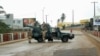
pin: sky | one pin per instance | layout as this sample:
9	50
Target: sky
83	9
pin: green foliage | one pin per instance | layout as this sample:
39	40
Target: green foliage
63	17
4	28
58	20
89	25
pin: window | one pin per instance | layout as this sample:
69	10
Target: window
7	15
18	21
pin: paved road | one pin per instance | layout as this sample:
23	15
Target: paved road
45	49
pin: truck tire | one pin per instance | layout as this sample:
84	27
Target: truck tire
40	40
71	37
50	40
64	39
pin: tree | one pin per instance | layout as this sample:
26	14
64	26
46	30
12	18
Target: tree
63	17
58	20
4	28
91	23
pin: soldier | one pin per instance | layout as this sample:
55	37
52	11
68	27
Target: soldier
29	35
30	31
35	28
44	30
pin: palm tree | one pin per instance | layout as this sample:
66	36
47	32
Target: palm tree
58	20
4	27
63	17
2	11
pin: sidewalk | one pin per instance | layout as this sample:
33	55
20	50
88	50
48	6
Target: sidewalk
91	35
13	41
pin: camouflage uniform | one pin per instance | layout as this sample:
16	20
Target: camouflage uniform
44	30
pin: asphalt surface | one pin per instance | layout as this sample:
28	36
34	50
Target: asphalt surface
23	48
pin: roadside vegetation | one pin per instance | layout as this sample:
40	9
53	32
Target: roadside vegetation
4	28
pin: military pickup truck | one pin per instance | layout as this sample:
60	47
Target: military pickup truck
53	33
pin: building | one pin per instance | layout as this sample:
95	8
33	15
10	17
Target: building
66	24
7	19
18	24
11	22
83	21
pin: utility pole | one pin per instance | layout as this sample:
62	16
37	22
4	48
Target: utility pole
46	18
72	17
95	14
35	15
71	30
43	13
94	8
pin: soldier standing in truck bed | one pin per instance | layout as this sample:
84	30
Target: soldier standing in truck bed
44	30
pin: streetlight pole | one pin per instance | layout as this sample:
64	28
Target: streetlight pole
35	15
46	18
71	30
94	8
43	13
95	14
72	17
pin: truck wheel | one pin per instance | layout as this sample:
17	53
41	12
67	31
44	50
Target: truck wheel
40	40
71	37
64	39
50	40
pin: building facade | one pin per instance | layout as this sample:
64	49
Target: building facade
11	22
18	24
83	21
7	19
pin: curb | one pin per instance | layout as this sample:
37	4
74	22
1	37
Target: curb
94	37
13	41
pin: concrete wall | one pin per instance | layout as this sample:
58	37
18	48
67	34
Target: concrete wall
18	24
9	20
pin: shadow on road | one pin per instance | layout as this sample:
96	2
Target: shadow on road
51	42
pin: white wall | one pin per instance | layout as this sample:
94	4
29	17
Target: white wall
9	20
13	23
18	24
